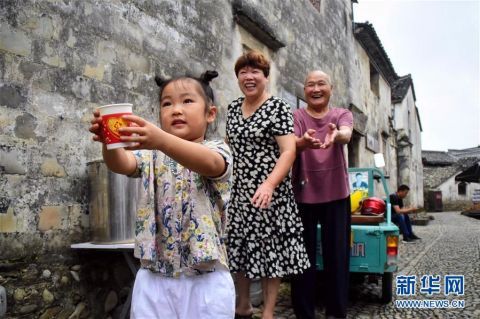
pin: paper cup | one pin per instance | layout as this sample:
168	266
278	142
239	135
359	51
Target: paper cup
111	121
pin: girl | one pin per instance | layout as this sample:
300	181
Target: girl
181	217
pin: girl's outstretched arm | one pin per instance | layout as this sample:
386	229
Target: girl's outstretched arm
191	155
119	160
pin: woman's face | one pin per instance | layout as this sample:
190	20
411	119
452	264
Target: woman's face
252	81
317	90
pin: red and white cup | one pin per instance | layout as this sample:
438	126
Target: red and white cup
111	121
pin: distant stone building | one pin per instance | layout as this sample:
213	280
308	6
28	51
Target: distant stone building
451	178
386	117
408	128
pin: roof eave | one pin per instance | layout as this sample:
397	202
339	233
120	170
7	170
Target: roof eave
368	39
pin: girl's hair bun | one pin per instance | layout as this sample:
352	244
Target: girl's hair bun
203	80
209	75
160	81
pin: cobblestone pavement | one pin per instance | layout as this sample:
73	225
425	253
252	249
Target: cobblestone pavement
450	245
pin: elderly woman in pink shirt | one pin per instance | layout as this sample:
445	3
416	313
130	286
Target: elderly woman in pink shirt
320	184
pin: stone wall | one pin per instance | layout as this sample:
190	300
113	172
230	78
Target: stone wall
457	205
81	285
442	178
451	198
376	106
409	148
61	59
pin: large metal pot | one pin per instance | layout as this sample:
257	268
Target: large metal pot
112	200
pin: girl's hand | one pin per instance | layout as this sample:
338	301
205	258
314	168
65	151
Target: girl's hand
144	134
263	195
310	141
330	137
96	127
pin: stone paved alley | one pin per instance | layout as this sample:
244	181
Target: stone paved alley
450	245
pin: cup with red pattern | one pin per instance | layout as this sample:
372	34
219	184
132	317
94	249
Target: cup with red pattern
111	121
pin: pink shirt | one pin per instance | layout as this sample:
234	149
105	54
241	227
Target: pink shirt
320	175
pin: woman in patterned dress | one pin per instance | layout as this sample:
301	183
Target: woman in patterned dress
264	232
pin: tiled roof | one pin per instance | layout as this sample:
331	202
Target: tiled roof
437	158
436	175
400	88
470	175
247	16
399	91
433	176
368	38
466	162
467	152
439	166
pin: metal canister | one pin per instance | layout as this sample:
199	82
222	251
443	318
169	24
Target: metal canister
112	204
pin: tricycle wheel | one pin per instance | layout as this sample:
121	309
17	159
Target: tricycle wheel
387	285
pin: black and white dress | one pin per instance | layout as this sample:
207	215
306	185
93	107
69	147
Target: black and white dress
264	243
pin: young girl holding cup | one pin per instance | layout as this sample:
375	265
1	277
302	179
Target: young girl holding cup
181	216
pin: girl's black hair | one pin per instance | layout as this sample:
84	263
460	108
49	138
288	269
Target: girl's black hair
203	80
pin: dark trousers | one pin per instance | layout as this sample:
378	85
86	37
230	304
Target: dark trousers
403	222
335	220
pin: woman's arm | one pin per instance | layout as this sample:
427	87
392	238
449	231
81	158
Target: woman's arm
285	161
263	195
193	156
341	135
344	135
307	141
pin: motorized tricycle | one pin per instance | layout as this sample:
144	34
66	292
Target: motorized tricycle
374	238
